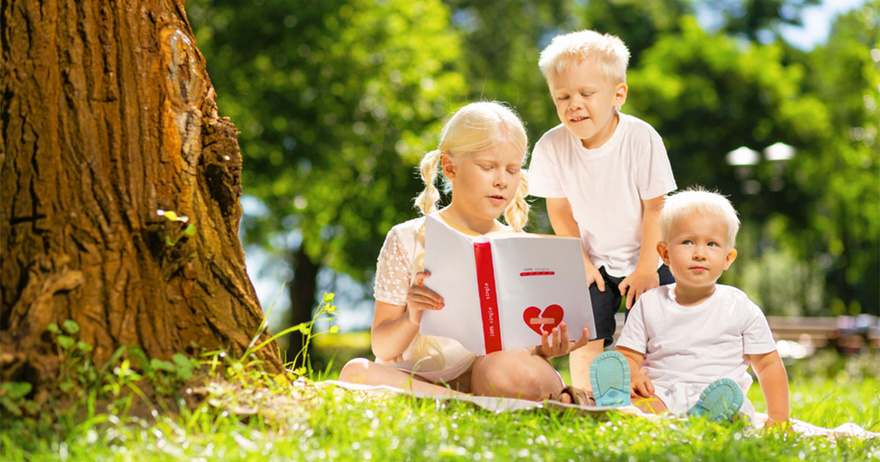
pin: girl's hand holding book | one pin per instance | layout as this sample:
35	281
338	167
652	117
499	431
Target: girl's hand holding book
420	298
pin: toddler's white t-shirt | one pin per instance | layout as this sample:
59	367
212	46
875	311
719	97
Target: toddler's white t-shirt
696	344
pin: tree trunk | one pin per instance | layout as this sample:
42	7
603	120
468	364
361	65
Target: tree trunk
303	290
107	118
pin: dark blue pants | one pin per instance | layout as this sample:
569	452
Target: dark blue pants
607	304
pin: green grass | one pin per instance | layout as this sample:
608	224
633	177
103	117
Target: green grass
277	420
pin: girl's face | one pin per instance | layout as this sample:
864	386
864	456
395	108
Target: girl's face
586	100
697	252
483	182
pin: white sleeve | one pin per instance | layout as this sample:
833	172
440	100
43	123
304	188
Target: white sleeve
634	334
654	177
757	336
543	172
392	271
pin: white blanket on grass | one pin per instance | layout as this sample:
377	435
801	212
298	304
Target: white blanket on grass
498	405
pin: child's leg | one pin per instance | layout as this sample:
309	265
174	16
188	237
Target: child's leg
605	305
515	374
579	362
365	372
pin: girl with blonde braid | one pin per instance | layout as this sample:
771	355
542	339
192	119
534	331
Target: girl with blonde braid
481	153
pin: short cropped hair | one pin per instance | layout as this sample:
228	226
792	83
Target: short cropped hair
701	201
574	47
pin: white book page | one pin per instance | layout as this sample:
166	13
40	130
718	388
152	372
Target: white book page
449	256
541	282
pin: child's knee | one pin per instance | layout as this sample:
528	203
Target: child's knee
355	371
514	375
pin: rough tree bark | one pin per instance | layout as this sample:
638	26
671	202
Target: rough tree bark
107	117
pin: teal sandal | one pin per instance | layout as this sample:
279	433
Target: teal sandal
719	402
609	375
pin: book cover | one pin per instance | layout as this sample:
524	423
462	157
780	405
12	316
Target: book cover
502	290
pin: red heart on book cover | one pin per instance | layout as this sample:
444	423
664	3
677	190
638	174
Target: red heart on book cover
546	321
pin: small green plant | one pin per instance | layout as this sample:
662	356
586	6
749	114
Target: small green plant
301	364
77	369
188	231
13	398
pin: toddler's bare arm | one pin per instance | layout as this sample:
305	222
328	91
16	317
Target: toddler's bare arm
774	385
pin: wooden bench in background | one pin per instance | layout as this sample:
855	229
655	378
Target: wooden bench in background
848	334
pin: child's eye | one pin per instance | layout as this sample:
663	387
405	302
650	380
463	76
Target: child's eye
513	171
562	98
586	94
485	167
713	244
687	242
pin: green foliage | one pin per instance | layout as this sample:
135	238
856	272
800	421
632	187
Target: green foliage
301	364
76	368
841	169
816	218
336	101
13	398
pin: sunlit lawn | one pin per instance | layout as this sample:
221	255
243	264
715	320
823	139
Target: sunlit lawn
304	422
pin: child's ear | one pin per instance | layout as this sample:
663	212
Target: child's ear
728	260
447	167
620	94
664	252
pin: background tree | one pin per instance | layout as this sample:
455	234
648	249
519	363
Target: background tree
707	94
108	124
759	20
841	170
708	87
337	100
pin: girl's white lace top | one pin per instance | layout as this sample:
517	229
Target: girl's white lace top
401	257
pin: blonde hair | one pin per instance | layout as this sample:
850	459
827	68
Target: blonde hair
574	47
701	201
476	127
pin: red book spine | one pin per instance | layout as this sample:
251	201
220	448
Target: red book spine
488	296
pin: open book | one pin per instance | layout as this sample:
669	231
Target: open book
503	289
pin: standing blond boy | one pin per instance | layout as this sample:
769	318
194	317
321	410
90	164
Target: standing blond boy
604	174
695	338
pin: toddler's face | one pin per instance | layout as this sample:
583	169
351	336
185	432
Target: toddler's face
697	251
585	101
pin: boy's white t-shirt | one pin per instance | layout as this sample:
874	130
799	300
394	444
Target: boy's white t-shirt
699	344
605	186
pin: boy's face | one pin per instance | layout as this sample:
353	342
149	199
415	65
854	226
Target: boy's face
697	252
586	100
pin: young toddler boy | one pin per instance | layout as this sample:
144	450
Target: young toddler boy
696	338
604	174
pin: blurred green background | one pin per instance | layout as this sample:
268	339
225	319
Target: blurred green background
336	101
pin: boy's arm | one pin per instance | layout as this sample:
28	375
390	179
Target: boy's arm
645	277
639	384
564	224
774	385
